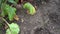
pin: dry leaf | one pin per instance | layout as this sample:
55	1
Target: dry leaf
16	17
6	26
22	20
36	7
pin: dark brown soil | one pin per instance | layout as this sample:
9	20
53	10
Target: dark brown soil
45	21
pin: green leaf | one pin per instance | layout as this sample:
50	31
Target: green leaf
1	1
30	8
16	1
4	10
11	13
8	10
13	29
13	1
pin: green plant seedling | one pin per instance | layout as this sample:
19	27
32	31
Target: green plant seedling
13	29
8	10
31	9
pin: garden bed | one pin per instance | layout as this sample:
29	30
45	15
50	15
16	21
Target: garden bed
45	21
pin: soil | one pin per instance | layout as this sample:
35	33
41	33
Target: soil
45	21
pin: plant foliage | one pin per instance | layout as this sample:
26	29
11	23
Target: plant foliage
13	1
13	29
1	1
8	10
30	8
